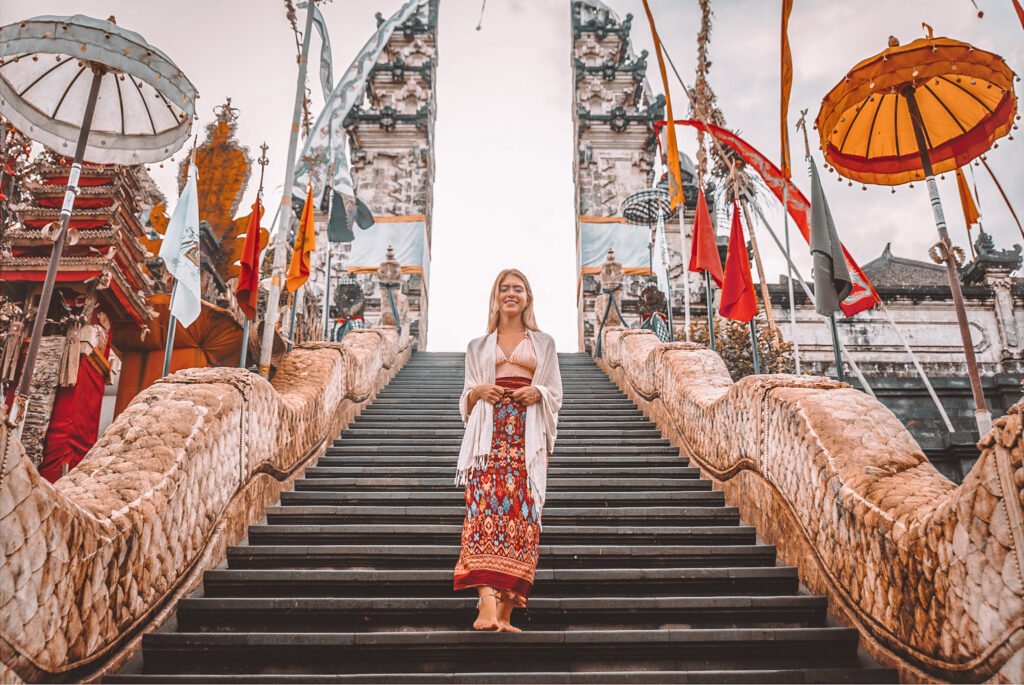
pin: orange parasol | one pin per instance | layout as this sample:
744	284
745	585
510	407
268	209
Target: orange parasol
912	110
964	95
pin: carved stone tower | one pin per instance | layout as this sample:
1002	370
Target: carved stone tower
615	113
391	137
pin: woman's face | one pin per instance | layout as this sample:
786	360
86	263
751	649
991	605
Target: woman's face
512	295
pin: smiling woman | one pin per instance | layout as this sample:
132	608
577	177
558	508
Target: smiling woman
510	403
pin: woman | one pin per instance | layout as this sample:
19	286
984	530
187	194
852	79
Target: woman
510	405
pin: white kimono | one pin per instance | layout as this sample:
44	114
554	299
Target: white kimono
541	418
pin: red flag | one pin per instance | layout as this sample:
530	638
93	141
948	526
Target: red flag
704	250
305	242
739	302
248	290
863	295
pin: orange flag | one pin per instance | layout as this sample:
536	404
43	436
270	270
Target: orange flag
786	73
704	249
305	242
739	302
675	171
971	214
248	290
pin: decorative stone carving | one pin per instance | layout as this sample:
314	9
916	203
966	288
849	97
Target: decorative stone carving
610	299
389	276
929	572
175	479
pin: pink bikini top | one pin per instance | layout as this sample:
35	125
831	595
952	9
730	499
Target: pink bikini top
522	362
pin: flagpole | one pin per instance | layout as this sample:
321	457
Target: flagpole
711	310
789	271
291	322
327	291
840	374
810	296
685	273
281	247
243	358
753	348
660	237
171	326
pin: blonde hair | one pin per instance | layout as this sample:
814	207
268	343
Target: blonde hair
494	315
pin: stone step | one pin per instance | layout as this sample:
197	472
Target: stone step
455	495
319	614
436	534
622	451
553	472
449	459
468	650
548	582
613	677
553	515
456	440
376	421
457	430
555	485
444	556
427	413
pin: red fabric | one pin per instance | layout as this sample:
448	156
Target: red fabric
57	201
863	295
248	290
40	276
704	250
1020	11
75	422
500	543
739	302
82	181
80	224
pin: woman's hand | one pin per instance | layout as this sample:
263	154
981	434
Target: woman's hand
489	392
526	395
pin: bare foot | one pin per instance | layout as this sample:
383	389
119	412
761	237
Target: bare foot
505	606
488	616
506	627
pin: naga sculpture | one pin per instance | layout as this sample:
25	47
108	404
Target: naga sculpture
931	573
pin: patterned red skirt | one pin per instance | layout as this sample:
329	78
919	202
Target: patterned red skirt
502	526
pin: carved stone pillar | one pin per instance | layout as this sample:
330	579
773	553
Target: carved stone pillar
392	300
611	294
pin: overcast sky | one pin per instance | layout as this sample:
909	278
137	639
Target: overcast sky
503	191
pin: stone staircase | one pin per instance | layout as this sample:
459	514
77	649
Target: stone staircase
645	576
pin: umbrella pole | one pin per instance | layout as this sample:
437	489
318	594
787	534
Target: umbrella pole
981	412
711	310
20	405
753	349
840	373
243	358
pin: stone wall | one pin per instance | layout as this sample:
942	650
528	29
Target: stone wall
93	560
931	573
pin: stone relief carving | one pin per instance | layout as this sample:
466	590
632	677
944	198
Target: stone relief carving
390	182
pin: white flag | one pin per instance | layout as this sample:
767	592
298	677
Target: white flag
180	252
327	139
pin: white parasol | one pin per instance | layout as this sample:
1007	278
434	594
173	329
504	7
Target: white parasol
88	86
